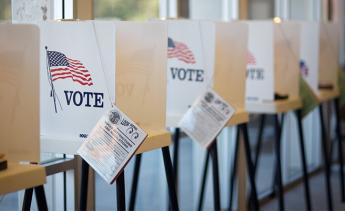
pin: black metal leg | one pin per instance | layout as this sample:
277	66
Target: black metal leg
340	148
169	173
27	199
215	170
121	192
275	172
176	155
250	167
278	161
84	185
176	138
136	173
259	141
234	170
326	160
304	160
203	181
41	198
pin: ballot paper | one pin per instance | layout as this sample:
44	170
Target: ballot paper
205	119
111	144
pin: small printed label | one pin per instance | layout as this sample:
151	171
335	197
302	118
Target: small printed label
205	119
111	144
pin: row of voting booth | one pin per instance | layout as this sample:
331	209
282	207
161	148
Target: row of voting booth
57	79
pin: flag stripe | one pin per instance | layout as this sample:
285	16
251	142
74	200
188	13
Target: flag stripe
181	52
251	59
62	67
74	72
75	80
74	75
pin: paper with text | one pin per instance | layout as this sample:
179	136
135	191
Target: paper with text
207	116
111	144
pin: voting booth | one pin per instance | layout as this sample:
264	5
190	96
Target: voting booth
230	62
272	61
76	69
141	79
19	92
319	55
191	48
328	56
309	53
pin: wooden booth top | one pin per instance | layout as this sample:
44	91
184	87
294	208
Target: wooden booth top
326	95
140	64
155	139
240	116
18	177
274	107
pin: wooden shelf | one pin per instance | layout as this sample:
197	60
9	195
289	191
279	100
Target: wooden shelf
240	116
326	95
156	139
274	107
18	177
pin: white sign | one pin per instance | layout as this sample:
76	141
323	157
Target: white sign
74	90
191	47
260	62
309	53
205	119
111	144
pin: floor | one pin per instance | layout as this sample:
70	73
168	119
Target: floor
294	199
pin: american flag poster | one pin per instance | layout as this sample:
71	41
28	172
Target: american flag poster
309	53
190	54
74	87
260	62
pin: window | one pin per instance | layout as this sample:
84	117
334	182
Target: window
126	9
5	9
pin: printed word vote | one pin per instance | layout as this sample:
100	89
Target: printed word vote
255	73
87	99
187	74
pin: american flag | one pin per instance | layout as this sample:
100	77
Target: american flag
250	58
62	67
304	68
180	51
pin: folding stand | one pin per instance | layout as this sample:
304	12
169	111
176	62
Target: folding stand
212	150
275	108
154	141
326	96
278	130
29	177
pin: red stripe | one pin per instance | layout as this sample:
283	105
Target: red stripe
75	80
66	73
74	71
66	68
77	66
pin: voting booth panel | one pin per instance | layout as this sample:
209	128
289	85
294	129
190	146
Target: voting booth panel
272	61
286	59
74	90
309	53
190	65
329	55
260	62
140	76
230	62
19	92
